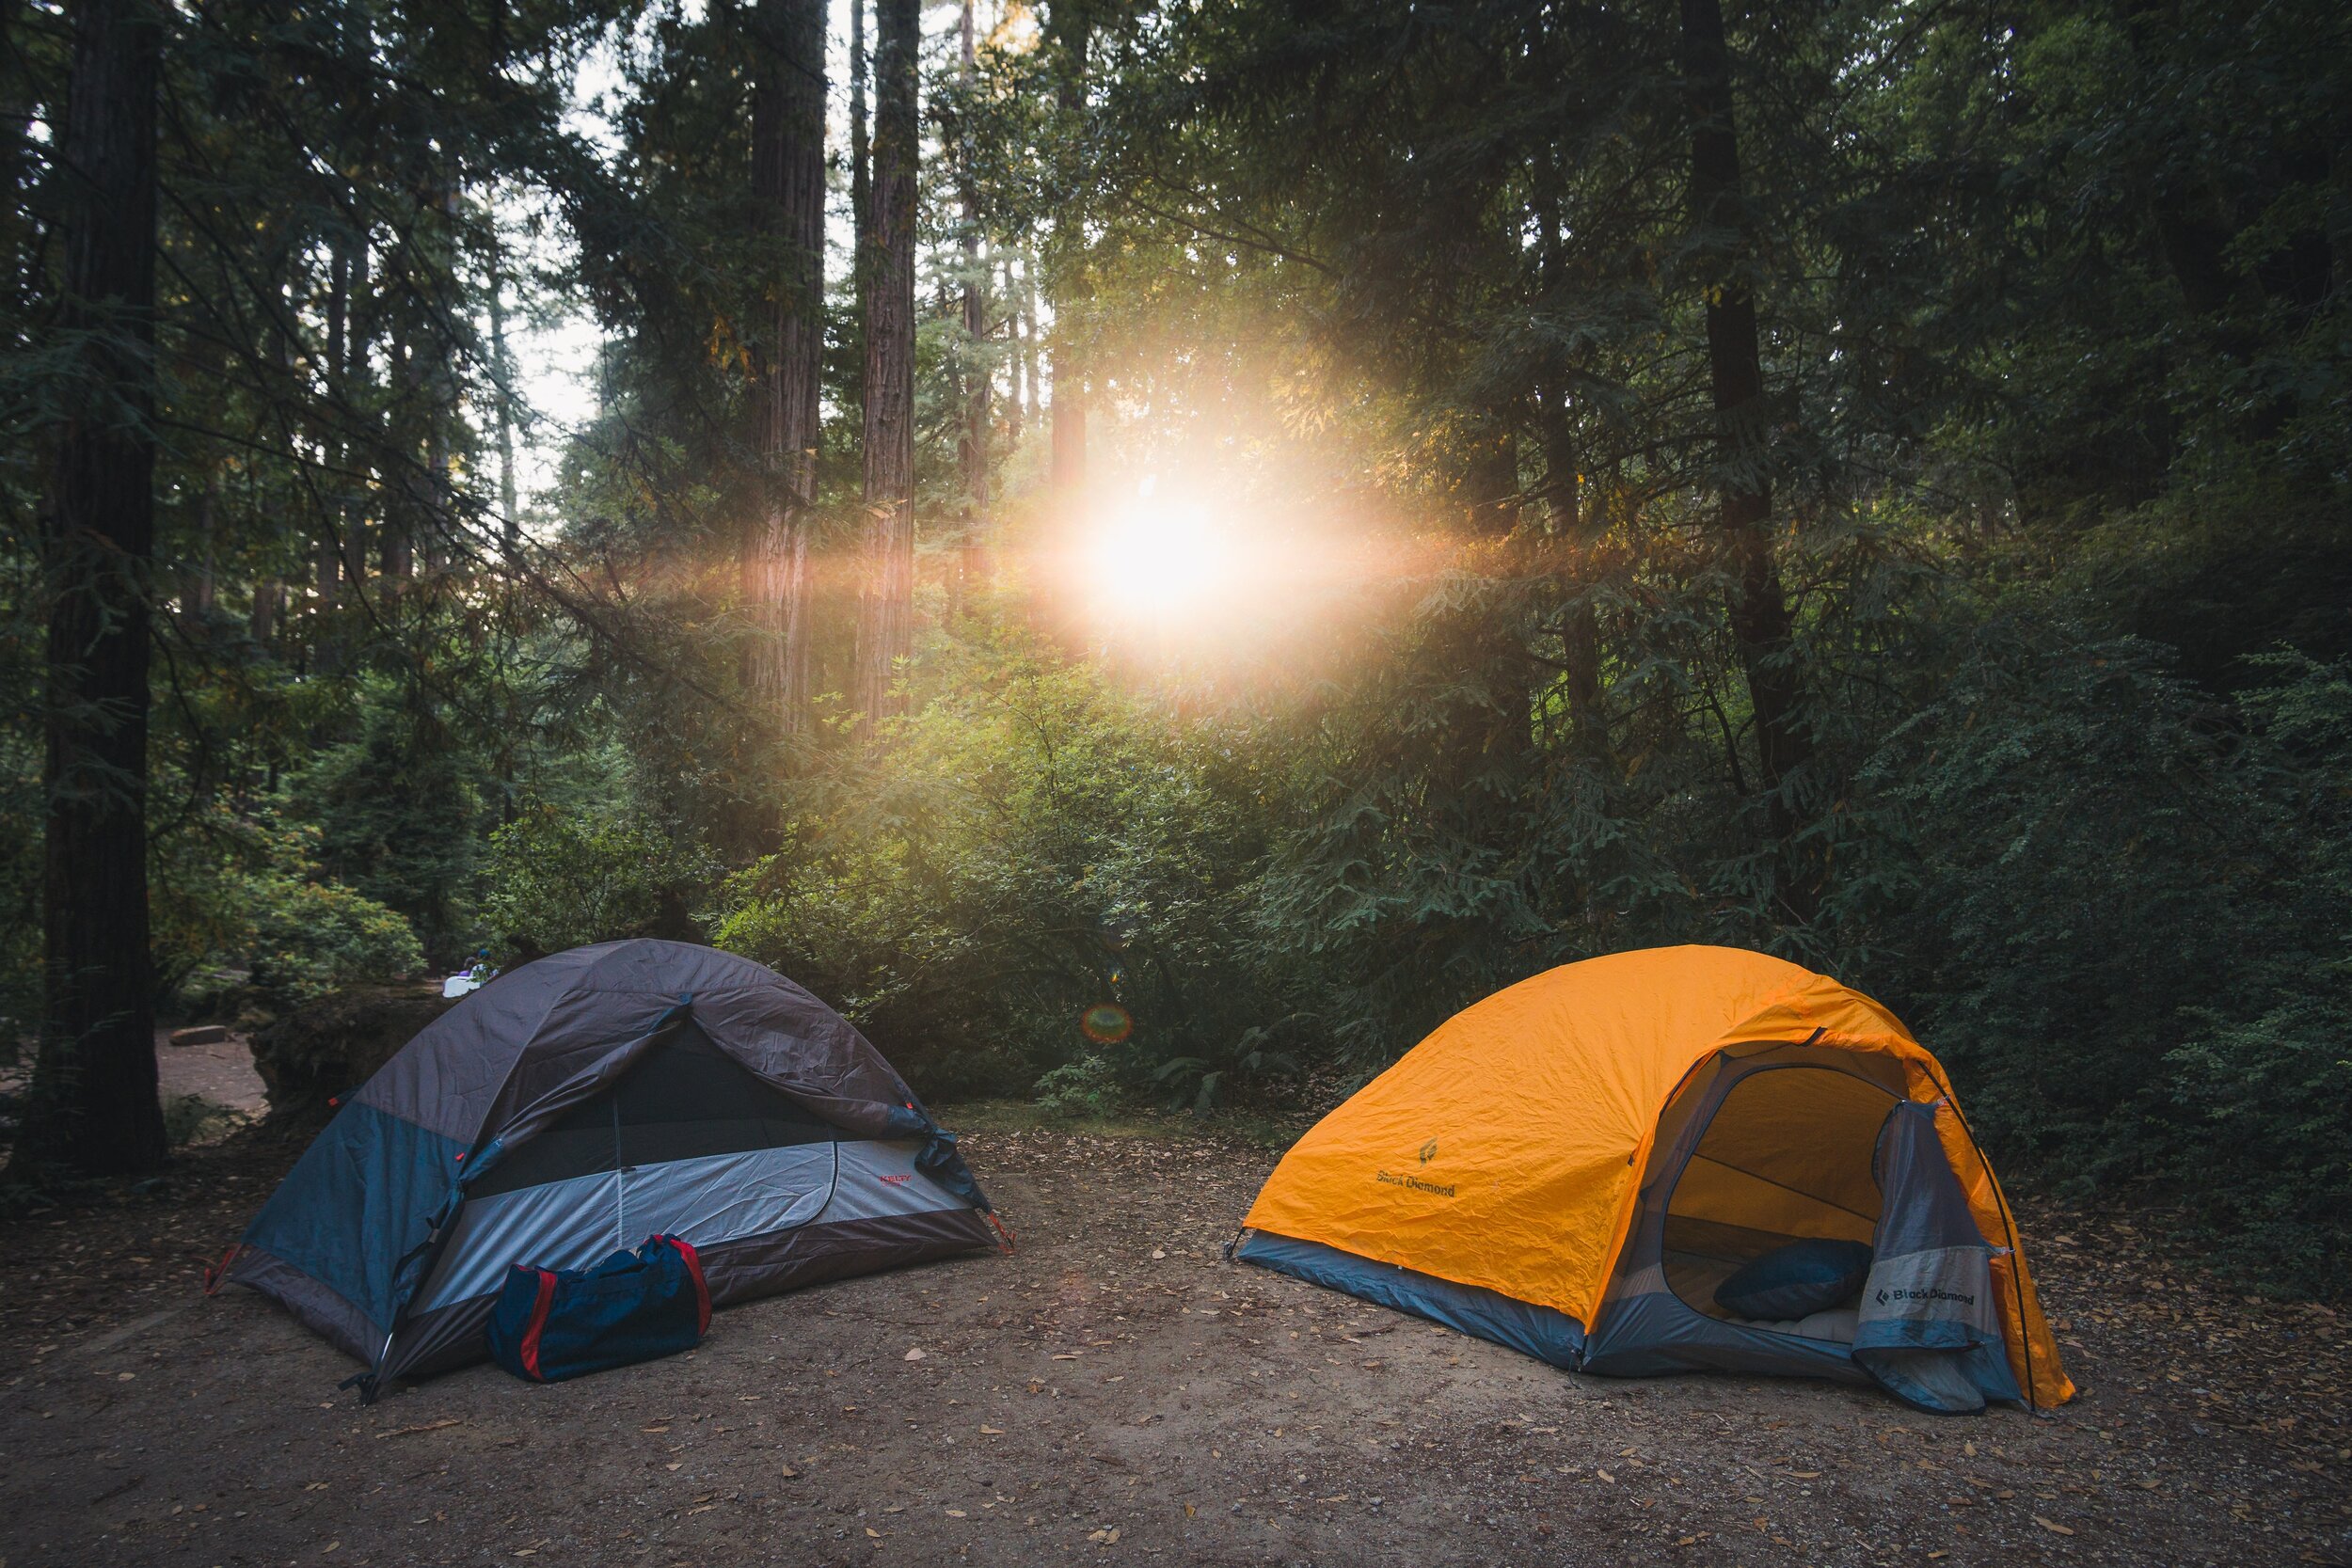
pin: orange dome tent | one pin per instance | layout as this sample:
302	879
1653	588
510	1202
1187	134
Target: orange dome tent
1578	1164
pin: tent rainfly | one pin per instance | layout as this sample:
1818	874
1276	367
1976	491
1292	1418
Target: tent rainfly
1679	1159
580	1104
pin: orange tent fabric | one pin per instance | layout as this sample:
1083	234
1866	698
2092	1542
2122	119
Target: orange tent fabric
1507	1148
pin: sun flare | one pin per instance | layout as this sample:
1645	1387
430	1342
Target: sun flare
1162	557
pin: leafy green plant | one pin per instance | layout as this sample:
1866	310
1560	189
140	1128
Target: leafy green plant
1086	1087
1204	1079
560	879
245	898
312	938
191	1118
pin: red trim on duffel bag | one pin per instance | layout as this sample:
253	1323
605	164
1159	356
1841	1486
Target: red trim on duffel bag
702	1286
538	1322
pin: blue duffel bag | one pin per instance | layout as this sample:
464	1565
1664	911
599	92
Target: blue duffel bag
553	1324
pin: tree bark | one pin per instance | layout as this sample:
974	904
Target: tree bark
329	547
886	616
1572	520
788	174
972	445
94	1106
200	594
1016	366
1031	393
503	366
1761	624
352	374
972	448
861	161
1577	522
1066	470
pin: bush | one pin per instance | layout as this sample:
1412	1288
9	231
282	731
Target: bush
236	896
562	878
313	937
1029	846
2125	922
1085	1087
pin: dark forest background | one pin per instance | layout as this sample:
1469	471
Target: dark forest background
1865	481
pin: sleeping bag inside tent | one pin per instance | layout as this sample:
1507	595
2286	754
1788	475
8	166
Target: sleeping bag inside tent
581	1103
1680	1159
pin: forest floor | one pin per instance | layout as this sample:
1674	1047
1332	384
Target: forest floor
1115	1393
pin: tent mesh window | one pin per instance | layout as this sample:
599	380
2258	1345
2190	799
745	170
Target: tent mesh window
1786	1157
683	1100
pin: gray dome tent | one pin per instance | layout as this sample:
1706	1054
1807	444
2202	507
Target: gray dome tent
580	1104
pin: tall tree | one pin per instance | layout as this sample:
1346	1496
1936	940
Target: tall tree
886	615
1760	620
1067	466
1017	389
861	157
501	369
95	1106
972	446
788	177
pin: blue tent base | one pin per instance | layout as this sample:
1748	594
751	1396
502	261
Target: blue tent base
1541	1332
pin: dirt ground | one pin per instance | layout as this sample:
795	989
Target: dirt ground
1115	1393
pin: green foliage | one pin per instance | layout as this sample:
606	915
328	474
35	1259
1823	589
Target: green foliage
2122	923
560	879
1029	845
1085	1087
247	898
399	811
191	1118
313	937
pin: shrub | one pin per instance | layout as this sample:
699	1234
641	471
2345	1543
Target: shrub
2124	926
235	895
1029	846
1084	1087
563	879
313	937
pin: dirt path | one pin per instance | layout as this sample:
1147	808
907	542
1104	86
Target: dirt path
220	1071
1115	1393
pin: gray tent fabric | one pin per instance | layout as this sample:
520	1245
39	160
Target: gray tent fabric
551	1033
1927	1330
766	1130
1645	1326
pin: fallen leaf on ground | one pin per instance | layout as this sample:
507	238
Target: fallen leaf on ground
428	1426
2052	1525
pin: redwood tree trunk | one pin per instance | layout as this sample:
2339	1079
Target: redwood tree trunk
861	161
1066	470
1761	624
94	1106
885	632
972	447
503	365
1573	522
1017	389
789	171
353	373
